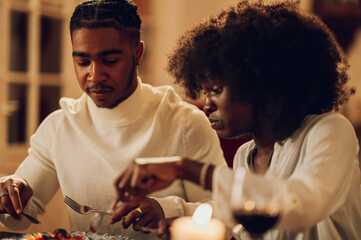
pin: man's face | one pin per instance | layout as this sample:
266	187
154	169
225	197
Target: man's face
105	65
229	118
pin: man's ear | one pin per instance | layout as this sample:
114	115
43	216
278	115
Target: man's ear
139	51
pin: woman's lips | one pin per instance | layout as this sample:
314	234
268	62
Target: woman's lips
216	124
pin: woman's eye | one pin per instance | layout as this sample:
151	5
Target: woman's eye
217	90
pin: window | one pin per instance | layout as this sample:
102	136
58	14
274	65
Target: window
19	41
49	96
31	65
17	112
50	45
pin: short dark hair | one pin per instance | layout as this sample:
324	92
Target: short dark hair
119	14
282	61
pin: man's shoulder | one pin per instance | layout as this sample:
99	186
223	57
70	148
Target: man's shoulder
167	98
73	105
161	92
67	105
54	118
52	123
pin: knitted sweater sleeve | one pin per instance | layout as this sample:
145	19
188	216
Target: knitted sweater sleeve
38	171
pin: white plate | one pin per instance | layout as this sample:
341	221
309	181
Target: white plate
87	236
99	236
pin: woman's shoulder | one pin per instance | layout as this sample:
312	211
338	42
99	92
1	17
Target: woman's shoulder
332	120
242	153
329	116
326	124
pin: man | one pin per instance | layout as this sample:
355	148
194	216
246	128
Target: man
83	146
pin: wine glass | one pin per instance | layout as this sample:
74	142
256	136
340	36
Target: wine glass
255	203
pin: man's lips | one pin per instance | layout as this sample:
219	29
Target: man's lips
100	93
100	90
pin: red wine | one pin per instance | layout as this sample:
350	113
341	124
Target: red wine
256	222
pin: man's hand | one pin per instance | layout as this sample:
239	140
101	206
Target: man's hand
164	228
146	213
15	194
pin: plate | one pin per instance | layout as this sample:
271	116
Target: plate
87	236
100	236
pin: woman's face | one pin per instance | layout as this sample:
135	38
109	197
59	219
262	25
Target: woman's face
228	117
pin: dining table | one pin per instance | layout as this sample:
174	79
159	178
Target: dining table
12	235
87	236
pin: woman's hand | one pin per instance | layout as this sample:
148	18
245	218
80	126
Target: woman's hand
146	175
15	194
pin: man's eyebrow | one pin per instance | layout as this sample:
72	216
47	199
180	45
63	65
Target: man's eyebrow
100	54
80	54
110	51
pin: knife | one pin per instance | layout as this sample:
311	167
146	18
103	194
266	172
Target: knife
31	219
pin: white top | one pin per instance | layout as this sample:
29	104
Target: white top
83	148
317	175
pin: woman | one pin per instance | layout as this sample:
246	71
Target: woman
276	73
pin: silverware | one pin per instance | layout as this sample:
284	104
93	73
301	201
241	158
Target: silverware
83	209
31	219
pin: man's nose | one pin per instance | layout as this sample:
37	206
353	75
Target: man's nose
96	72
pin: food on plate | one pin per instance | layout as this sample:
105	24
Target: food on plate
58	234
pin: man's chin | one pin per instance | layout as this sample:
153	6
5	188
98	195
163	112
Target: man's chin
104	104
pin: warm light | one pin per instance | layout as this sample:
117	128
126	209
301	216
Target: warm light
202	215
250	205
199	227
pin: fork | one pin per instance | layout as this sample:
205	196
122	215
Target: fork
83	209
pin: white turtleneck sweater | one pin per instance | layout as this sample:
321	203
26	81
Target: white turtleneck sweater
82	148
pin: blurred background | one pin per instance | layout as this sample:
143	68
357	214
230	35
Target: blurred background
36	65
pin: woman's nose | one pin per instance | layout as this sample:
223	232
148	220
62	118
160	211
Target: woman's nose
209	106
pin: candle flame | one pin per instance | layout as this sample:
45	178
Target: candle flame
202	215
250	205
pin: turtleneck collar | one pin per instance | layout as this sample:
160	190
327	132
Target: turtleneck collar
122	115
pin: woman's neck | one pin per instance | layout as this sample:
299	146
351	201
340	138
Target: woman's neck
262	159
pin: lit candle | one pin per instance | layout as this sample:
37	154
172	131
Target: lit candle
198	227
